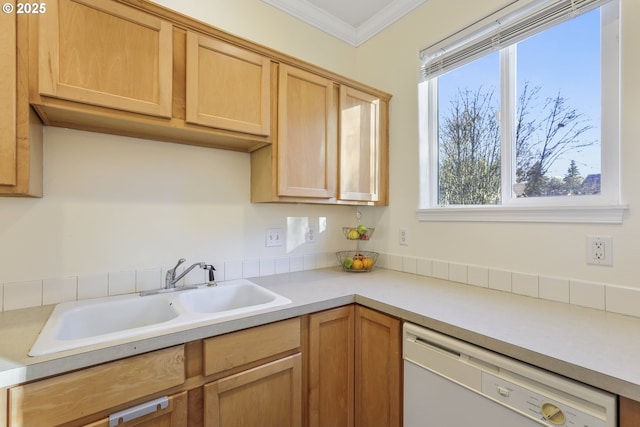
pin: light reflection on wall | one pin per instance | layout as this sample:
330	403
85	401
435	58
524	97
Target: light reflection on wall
298	227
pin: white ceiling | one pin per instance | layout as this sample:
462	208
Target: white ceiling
353	21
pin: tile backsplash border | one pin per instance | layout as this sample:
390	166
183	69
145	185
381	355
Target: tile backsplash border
601	296
33	293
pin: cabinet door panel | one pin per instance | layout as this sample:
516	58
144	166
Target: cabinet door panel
378	369
331	368
8	89
359	145
227	87
267	396
307	135
629	412
104	53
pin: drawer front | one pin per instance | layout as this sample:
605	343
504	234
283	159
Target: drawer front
71	396
243	347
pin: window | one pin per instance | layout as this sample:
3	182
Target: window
519	116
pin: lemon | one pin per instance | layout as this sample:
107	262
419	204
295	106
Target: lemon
353	234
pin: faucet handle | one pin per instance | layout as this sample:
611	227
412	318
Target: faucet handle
171	273
180	261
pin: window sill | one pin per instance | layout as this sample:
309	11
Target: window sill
609	214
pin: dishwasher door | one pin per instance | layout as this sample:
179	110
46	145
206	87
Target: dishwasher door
433	401
450	383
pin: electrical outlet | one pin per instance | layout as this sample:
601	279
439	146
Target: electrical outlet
274	237
311	235
404	236
600	250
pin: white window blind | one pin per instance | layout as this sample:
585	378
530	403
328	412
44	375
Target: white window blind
513	23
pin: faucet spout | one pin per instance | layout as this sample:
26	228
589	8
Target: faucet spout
171	279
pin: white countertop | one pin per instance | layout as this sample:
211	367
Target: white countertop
591	346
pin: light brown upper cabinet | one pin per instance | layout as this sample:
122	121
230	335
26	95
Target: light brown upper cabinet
127	68
103	53
21	131
301	165
307	135
227	87
138	69
316	148
363	147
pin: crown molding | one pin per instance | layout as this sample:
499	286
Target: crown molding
332	25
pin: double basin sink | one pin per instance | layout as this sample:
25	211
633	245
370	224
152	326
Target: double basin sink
82	323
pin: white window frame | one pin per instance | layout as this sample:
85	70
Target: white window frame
603	208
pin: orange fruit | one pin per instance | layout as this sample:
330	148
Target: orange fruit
367	263
357	264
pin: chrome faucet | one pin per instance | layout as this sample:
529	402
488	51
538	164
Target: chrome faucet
170	279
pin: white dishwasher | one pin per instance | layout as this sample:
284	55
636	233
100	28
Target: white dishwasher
450	383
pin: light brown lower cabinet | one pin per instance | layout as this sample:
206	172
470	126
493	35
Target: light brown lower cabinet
331	368
378	369
269	395
339	367
629	415
174	415
355	368
71	399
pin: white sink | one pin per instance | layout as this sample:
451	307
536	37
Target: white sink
239	297
104	317
103	320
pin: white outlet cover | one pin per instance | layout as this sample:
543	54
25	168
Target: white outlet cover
600	250
404	236
311	234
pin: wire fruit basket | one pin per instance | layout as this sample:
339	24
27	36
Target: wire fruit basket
357	261
358	233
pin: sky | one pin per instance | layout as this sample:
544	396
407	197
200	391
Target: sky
564	58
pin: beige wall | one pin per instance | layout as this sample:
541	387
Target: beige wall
390	62
114	203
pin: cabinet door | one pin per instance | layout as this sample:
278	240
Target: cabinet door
227	87
361	148
307	135
629	412
174	415
269	395
104	53
8	89
331	368
378	369
21	130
